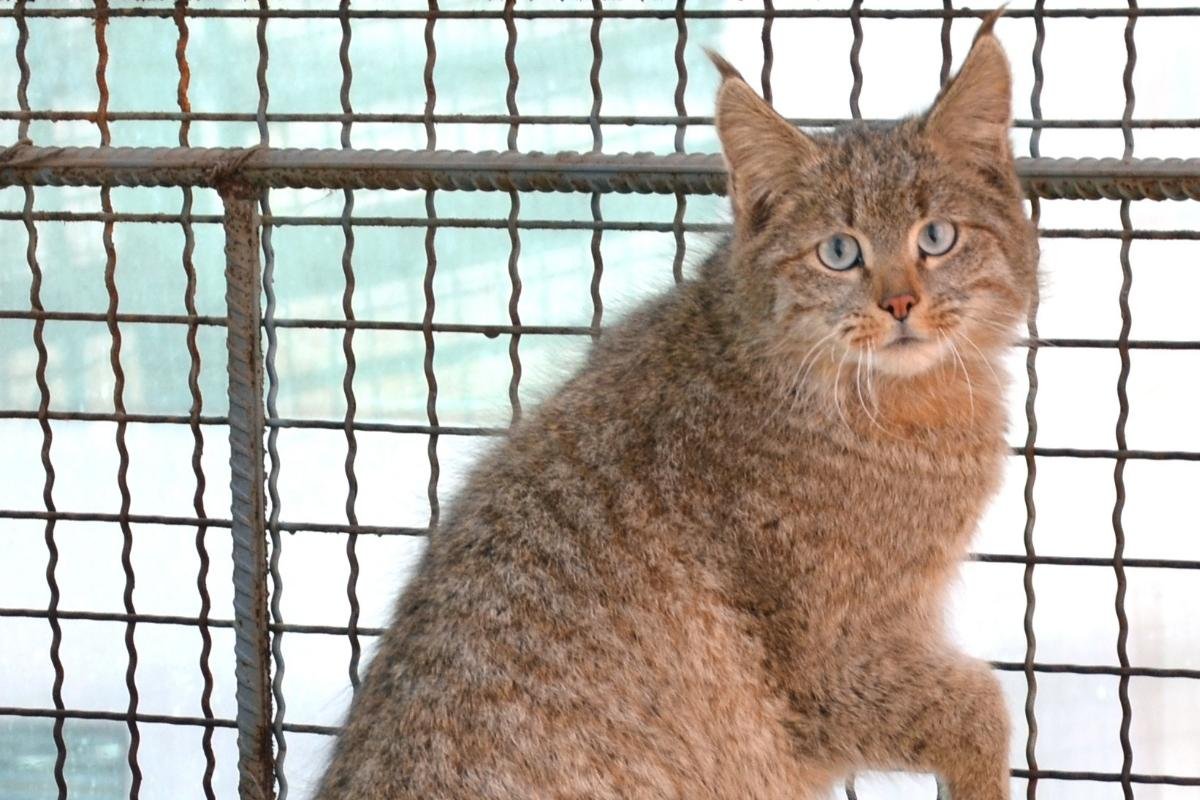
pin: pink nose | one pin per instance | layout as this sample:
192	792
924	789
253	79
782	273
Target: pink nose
898	305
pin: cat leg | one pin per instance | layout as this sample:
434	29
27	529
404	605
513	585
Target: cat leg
942	713
906	706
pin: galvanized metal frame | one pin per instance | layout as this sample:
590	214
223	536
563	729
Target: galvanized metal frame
245	177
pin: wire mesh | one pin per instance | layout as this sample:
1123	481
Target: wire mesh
677	171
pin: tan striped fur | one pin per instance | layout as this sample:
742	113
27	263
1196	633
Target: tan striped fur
713	565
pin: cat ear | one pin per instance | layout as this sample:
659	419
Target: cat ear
762	149
971	116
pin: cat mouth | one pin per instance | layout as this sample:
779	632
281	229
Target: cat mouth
909	352
904	340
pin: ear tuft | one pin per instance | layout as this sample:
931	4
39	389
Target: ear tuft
989	22
971	116
763	152
726	69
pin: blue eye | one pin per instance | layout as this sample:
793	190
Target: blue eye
840	252
937	237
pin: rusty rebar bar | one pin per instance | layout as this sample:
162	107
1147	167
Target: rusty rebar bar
247	423
264	167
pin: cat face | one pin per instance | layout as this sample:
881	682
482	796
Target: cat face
896	246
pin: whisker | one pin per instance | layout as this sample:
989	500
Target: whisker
792	386
861	401
966	373
983	358
813	349
870	371
837	379
813	363
1008	331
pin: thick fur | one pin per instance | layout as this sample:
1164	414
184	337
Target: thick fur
713	565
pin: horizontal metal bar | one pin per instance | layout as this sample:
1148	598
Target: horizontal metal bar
117	716
605	13
301	727
96	516
109	416
379	169
341	630
1148	455
1084	561
174	619
161	719
280	220
1097	669
92	316
332	527
328	730
1066	178
105	616
479	430
50	713
470	430
1114	233
625	120
211	522
1111	344
1105	777
388	427
490	331
391	530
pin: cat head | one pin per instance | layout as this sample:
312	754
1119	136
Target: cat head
903	246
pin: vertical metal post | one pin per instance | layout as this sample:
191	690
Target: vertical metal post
243	282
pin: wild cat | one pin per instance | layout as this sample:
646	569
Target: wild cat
713	564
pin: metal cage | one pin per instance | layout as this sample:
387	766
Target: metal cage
245	176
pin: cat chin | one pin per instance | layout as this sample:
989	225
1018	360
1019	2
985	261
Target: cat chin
907	360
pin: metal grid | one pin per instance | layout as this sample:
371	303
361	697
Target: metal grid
244	178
